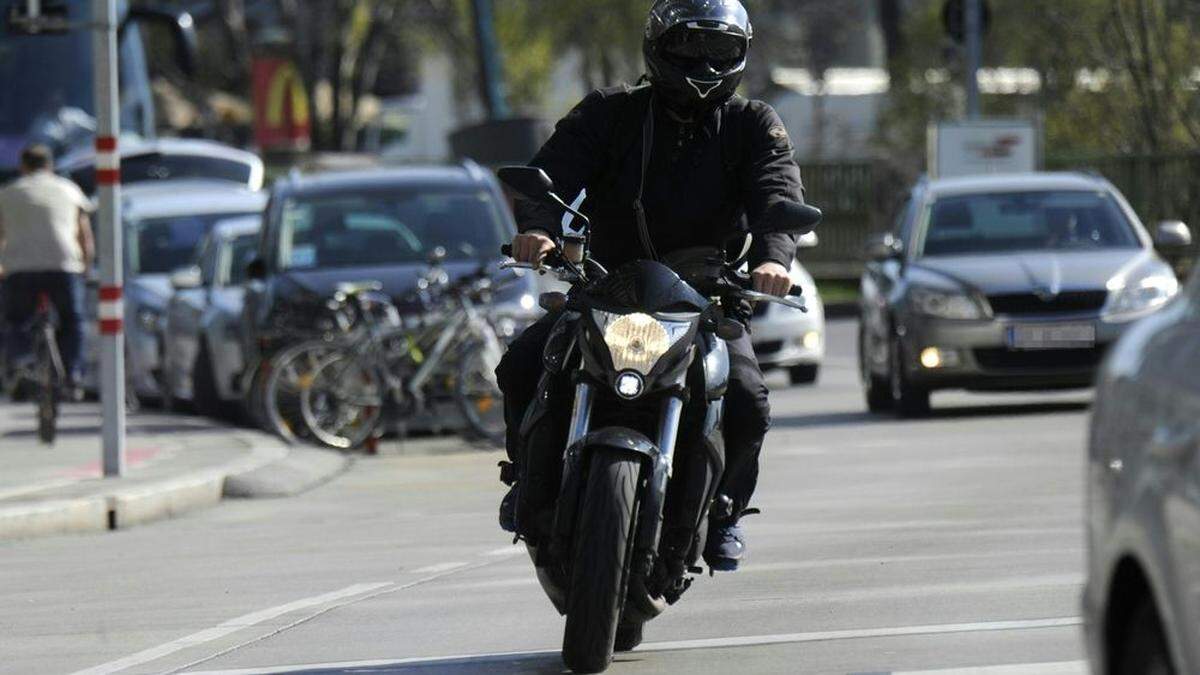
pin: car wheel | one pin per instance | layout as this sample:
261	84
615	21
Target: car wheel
804	374
204	386
878	393
1143	650
908	400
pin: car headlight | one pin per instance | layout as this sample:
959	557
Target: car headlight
637	341
945	304
1140	296
149	319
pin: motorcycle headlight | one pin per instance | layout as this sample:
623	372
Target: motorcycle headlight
1141	296
945	304
637	341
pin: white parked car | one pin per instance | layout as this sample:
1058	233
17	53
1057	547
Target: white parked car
166	159
788	338
202	343
164	223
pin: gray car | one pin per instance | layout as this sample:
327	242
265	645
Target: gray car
164	222
1141	604
202	344
1006	283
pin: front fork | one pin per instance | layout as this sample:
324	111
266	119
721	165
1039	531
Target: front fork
650	521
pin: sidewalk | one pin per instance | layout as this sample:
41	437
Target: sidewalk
174	464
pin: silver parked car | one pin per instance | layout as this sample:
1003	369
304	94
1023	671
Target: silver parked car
1141	603
788	338
1014	282
202	343
164	222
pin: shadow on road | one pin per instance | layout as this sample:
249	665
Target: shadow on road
948	413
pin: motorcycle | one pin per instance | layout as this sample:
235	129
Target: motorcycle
645	348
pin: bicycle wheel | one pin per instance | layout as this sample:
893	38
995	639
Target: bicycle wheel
289	376
343	406
477	393
47	376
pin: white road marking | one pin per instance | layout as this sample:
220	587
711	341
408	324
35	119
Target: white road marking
440	567
228	627
1057	668
714	643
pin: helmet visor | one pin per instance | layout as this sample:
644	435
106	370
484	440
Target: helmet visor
688	47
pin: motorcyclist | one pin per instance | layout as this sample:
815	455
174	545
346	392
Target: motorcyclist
698	161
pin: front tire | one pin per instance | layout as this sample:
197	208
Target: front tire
599	573
806	373
908	399
875	388
1144	647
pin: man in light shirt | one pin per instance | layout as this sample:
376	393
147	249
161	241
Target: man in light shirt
46	246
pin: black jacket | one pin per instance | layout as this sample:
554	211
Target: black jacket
705	179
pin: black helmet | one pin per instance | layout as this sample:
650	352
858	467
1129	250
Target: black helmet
696	51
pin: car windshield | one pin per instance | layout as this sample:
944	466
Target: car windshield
162	245
385	228
241	252
1026	221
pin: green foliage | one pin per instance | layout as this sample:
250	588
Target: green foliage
1139	56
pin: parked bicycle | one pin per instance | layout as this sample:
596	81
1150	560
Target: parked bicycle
380	372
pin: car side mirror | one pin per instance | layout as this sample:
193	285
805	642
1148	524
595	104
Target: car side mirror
529	182
1172	236
883	247
256	270
788	217
187	278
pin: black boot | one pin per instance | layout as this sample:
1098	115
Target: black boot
508	505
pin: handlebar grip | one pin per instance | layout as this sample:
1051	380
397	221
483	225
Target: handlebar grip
796	291
506	250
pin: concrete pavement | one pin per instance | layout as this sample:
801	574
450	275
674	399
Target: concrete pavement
175	464
884	546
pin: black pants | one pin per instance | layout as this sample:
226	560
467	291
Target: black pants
747	410
65	292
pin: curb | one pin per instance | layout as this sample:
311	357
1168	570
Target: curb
302	469
168	498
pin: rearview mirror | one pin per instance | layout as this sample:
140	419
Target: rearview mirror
529	182
788	217
187	278
1172	236
181	27
883	247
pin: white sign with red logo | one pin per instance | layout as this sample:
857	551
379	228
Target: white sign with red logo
983	147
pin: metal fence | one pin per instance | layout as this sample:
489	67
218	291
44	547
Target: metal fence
860	198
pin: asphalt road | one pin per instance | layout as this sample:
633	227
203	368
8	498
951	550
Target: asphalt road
883	546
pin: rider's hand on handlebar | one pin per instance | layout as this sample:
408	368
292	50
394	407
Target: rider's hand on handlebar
531	247
772	278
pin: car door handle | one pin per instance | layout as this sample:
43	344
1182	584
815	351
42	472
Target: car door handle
1174	443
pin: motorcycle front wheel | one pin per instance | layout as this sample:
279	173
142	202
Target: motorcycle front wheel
600	569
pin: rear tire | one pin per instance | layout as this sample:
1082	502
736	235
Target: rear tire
1144	647
47	398
908	399
804	374
599	573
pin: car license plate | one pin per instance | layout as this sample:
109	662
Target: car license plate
1052	336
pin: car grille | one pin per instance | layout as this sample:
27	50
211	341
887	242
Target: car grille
1063	303
1048	360
768	347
